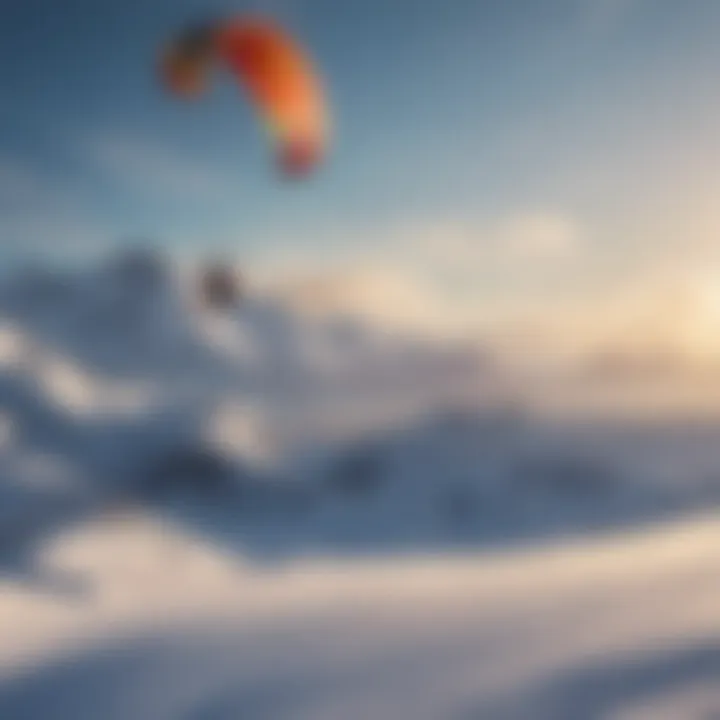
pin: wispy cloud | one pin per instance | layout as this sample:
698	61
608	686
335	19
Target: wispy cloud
530	276
443	274
20	185
40	213
543	236
149	166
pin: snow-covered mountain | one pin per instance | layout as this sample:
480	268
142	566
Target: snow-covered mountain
160	454
119	383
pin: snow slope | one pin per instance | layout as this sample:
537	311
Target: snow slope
626	627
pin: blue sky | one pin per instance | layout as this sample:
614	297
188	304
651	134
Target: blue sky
600	115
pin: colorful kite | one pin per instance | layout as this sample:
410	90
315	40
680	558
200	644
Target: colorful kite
274	71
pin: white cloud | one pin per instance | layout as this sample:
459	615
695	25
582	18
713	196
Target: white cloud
444	274
531	277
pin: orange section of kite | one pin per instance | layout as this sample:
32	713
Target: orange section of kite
276	74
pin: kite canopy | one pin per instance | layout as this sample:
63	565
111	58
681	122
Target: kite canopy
275	73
